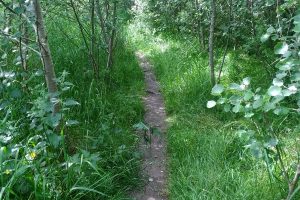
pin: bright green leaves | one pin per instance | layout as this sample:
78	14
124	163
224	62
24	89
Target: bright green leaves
71	102
235	86
274	91
277	82
281	111
258	103
211	104
217	90
297	28
71	122
265	37
248	95
19	10
297	24
281	48
237	108
296	77
246	81
141	127
54	139
285	64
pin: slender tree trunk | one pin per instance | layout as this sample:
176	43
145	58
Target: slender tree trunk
26	43
23	41
211	42
91	57
45	53
227	42
93	39
253	26
293	183
199	25
112	37
101	22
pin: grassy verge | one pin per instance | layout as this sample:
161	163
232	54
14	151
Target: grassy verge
109	108
96	157
207	159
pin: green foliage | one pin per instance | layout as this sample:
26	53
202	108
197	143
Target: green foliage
211	152
269	112
87	151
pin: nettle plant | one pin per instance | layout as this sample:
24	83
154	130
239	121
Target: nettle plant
33	155
270	113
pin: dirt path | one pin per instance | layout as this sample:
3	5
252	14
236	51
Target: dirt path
154	155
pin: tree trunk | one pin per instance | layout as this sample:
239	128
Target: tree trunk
112	37
93	39
293	183
252	20
101	22
89	51
199	25
23	28
227	42
211	42
45	53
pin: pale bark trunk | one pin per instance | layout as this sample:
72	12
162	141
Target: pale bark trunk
112	37
211	43
199	26
227	42
45	53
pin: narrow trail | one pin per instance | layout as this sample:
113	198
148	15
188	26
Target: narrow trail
154	155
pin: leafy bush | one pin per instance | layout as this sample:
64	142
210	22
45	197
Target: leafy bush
270	114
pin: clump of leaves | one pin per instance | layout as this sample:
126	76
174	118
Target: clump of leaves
268	111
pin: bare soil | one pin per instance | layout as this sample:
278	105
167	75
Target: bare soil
154	154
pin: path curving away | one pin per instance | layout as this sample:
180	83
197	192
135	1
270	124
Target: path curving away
154	155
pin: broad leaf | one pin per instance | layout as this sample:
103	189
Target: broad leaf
277	82
281	111
274	91
237	108
293	89
234	86
248	95
71	122
141	126
71	102
211	104
265	37
227	107
281	48
249	115
269	106
258	103
217	89
281	75
297	28
246	81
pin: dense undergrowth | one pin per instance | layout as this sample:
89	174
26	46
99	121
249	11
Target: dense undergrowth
208	159
94	156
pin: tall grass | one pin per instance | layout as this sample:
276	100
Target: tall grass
109	108
207	160
95	159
